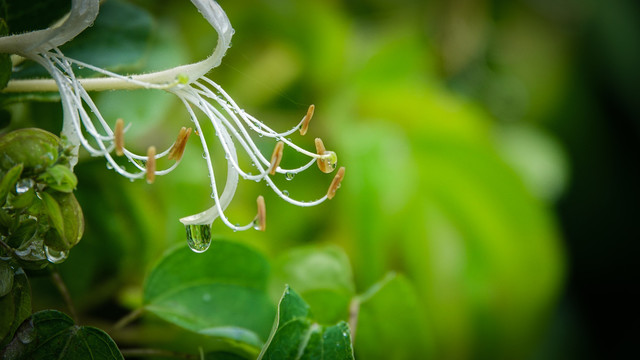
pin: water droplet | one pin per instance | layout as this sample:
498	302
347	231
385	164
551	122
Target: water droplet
289	175
260	134
24	185
256	225
331	160
26	333
198	237
109	166
55	256
285	193
204	155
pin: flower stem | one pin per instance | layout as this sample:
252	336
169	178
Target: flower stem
62	288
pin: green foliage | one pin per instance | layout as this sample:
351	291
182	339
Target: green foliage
221	292
296	335
15	306
50	333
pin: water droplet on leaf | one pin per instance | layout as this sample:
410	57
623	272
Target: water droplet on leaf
55	256
24	185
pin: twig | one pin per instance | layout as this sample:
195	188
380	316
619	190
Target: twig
354	310
156	352
62	288
127	319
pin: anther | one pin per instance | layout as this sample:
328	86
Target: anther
327	160
261	218
276	157
151	164
118	137
335	184
307	118
177	150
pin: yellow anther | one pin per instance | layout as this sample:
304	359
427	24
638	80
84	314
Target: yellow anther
276	157
118	137
307	119
151	164
335	184
261	218
177	150
328	160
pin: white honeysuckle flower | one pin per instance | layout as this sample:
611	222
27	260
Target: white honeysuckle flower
234	127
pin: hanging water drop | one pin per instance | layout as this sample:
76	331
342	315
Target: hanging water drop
55	256
198	237
24	185
285	193
289	175
109	166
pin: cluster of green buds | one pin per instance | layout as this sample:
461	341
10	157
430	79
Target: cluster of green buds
40	218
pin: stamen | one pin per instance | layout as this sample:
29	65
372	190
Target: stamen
261	218
276	157
307	119
151	164
181	142
118	137
335	184
327	160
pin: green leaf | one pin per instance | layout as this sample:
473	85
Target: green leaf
15	306
6	278
322	275
59	178
5	59
23	16
51	334
9	181
388	306
296	335
118	41
221	292
55	216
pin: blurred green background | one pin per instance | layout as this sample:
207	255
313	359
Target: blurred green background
491	154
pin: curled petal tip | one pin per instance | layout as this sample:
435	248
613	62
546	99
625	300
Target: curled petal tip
118	137
307	118
151	164
276	157
335	184
261	218
177	150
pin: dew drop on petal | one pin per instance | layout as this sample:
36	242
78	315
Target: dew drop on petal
55	256
198	237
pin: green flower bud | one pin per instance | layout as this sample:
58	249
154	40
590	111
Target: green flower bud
36	149
60	178
66	218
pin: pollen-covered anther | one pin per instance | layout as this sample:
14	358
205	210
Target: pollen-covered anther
335	184
307	118
276	157
327	160
151	164
177	150
261	218
118	137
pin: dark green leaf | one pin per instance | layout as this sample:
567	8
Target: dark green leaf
72	216
6	278
295	334
5	59
221	292
23	16
51	334
56	219
15	306
118	41
8	182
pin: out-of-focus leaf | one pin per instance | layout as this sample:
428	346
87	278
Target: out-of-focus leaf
221	292
23	16
390	322
59	178
5	59
118	41
52	334
15	306
219	355
322	276
296	335
6	278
